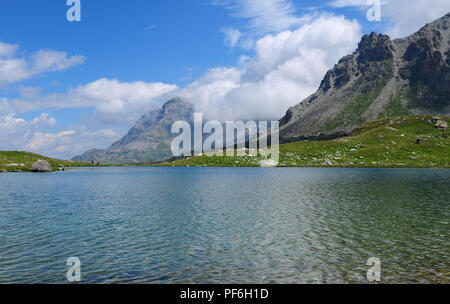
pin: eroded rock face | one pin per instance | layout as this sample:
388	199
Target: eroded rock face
374	47
382	78
41	166
427	70
373	50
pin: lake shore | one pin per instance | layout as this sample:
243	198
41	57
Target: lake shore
399	142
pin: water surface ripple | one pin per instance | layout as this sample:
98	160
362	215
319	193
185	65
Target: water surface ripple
215	225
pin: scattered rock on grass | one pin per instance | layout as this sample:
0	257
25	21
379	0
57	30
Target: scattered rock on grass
439	123
41	166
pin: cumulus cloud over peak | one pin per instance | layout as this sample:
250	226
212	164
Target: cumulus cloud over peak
14	69
328	33
286	68
117	101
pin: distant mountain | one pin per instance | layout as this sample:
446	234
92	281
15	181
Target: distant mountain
148	141
382	78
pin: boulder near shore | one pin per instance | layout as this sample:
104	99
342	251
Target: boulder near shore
41	166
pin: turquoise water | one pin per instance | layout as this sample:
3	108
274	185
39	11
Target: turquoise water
213	225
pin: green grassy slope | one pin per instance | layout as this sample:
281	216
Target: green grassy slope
389	142
22	161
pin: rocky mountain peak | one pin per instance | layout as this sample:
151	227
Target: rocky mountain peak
373	50
375	47
173	104
176	109
148	140
382	78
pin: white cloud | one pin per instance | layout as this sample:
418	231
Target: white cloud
346	3
117	106
232	36
287	67
120	101
114	101
7	50
15	132
150	27
243	59
5	107
268	16
209	92
44	118
131	92
262	17
20	134
66	144
14	69
408	16
403	17
46	140
50	61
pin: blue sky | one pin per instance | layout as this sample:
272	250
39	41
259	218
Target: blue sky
70	86
170	41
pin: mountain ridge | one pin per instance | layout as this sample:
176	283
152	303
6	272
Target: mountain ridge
148	140
382	78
